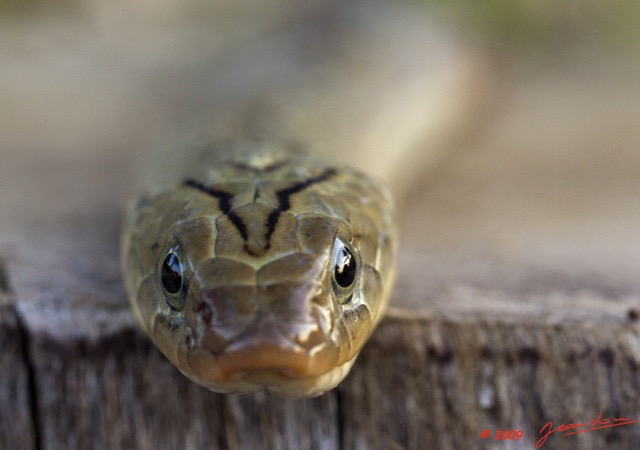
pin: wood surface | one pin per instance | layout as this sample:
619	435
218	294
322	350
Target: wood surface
517	302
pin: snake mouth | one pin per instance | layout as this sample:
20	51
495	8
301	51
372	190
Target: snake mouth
265	368
266	356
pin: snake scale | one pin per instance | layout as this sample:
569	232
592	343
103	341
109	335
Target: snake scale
260	265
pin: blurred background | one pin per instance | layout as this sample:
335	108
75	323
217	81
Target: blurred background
541	157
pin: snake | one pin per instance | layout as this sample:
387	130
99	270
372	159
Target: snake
262	264
264	269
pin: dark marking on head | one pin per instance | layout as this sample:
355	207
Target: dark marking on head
237	221
272	222
284	202
284	195
223	197
241	226
155	246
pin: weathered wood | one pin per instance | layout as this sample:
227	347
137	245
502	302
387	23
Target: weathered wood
435	380
16	395
493	347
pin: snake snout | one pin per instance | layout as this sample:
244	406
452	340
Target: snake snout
290	349
298	311
287	330
274	320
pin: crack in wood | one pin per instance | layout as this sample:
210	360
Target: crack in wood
340	419
5	286
32	384
22	333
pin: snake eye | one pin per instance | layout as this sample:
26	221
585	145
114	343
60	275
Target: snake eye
345	268
173	279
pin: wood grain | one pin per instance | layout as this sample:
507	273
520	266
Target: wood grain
434	379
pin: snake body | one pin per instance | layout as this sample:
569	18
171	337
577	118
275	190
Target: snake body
262	268
258	266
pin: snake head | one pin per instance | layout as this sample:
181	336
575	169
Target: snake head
262	283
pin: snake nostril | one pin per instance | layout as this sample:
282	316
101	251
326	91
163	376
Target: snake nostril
203	312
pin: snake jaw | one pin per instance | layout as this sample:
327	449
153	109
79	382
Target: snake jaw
258	354
264	358
277	382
